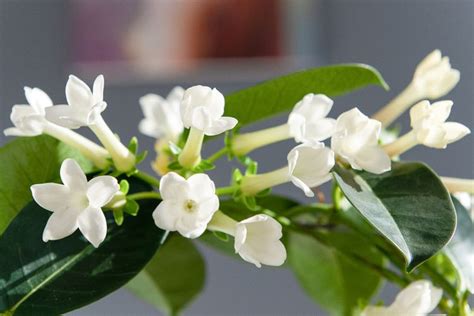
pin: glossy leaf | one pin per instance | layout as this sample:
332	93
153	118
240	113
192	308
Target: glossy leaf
281	94
335	282
53	278
408	205
26	161
460	249
173	278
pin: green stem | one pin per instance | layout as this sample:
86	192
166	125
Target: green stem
439	280
148	178
226	190
144	195
217	155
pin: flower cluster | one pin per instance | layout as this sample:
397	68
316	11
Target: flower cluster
189	202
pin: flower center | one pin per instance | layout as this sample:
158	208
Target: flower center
190	206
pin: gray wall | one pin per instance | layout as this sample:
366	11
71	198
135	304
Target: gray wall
390	35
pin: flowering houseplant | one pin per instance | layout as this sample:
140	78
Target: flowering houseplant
80	220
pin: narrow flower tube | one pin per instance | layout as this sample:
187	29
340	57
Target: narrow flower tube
123	159
256	239
433	78
401	144
97	154
307	122
458	185
191	154
252	184
29	120
309	165
244	143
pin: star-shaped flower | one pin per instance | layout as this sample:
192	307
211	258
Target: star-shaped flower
76	204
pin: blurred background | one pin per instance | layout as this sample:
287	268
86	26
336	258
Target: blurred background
144	46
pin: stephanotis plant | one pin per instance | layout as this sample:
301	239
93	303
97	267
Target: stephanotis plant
80	219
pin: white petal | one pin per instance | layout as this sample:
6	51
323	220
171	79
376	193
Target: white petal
201	118
432	59
167	214
420	297
207	208
66	116
175	95
38	99
13	131
72	175
149	127
95	113
101	190
20	112
93	225
60	225
78	94
148	103
351	120
455	131
313	107
310	164
201	187
257	241
418	112
98	89
432	136
173	186
373	159
221	125
193	233
439	111
320	130
51	196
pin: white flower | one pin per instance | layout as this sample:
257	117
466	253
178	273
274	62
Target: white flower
309	165
433	79
76	204
84	106
202	108
188	204
430	126
308	122
29	119
419	298
434	76
162	116
356	141
256	239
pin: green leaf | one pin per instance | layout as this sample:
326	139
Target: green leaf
461	248
408	205
338	284
281	94
53	278
131	207
133	145
27	161
173	278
